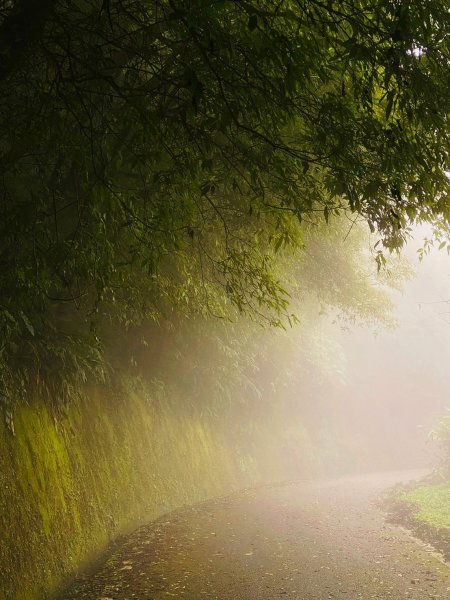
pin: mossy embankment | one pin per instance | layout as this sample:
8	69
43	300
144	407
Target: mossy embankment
423	507
73	479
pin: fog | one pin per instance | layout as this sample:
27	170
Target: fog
329	395
395	383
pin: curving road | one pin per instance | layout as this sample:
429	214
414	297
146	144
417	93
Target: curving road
303	541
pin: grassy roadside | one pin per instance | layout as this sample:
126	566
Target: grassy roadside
431	503
423	507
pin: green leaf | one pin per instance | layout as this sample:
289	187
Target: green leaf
27	323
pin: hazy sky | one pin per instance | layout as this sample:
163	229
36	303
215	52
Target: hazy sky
398	382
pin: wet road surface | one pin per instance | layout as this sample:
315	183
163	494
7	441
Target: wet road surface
302	541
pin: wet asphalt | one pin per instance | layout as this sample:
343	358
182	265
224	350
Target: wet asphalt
304	541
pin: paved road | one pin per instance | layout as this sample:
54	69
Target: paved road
303	541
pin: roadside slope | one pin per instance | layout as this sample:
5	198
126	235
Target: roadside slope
75	479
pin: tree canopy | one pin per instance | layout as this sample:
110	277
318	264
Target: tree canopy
159	154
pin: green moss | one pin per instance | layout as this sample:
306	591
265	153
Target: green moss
432	503
70	482
73	480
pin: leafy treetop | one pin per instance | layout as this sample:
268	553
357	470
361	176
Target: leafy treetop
160	153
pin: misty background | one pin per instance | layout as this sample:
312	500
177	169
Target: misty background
393	384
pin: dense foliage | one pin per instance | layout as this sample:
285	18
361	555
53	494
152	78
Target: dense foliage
157	155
